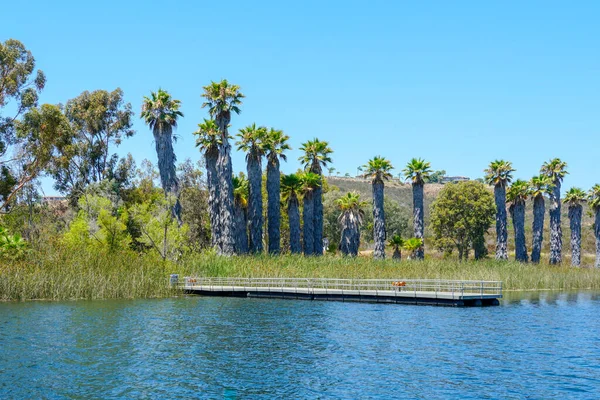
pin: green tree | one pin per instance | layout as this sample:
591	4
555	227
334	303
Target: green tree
555	169
539	187
223	98
417	170
594	202
516	196
276	144
161	112
413	245
317	154
350	220
499	175
291	187
575	198
208	141
378	170
397	243
460	213
435	176
194	204
240	204
252	141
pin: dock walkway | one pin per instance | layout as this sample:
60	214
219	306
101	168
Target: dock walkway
399	291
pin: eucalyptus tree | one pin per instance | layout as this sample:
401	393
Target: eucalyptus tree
555	169
574	199
276	144
311	182
350	220
161	112
291	187
396	243
516	195
316	156
499	175
252	142
208	140
417	171
240	204
594	202
223	98
378	170
539	186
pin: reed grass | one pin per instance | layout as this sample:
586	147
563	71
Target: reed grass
61	273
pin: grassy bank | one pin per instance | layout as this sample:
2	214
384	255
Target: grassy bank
63	273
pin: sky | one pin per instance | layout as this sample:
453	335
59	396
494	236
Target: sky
457	83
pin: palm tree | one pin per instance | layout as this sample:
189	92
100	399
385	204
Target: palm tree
594	201
208	141
316	156
310	183
275	146
499	174
240	203
574	198
222	99
161	112
291	186
396	242
539	187
252	142
556	170
516	195
350	220
413	245
378	169
417	170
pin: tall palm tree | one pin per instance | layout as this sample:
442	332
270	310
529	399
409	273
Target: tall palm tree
396	242
161	112
417	171
516	195
222	99
556	170
594	202
291	186
350	220
539	186
208	140
574	199
316	157
378	170
252	142
499	174
275	146
240	204
311	182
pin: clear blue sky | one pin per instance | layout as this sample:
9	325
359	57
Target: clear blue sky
458	83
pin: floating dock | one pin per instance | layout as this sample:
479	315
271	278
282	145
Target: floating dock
398	291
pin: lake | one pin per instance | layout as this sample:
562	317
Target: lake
533	345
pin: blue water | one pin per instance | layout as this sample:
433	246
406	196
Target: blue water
532	346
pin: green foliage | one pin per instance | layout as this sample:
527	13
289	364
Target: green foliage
222	97
556	169
499	172
240	190
377	169
435	177
460	215
316	155
276	144
160	110
540	185
575	196
350	202
413	245
12	247
252	140
396	220
208	139
517	192
594	197
417	170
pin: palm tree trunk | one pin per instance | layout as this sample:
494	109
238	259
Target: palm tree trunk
350	238
294	221
597	234
163	138
518	217
309	220
274	204
255	205
501	222
378	220
212	179
318	222
575	225
241	230
226	218
418	217
539	209
555	228
397	254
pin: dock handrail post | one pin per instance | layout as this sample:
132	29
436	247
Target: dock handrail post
482	289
